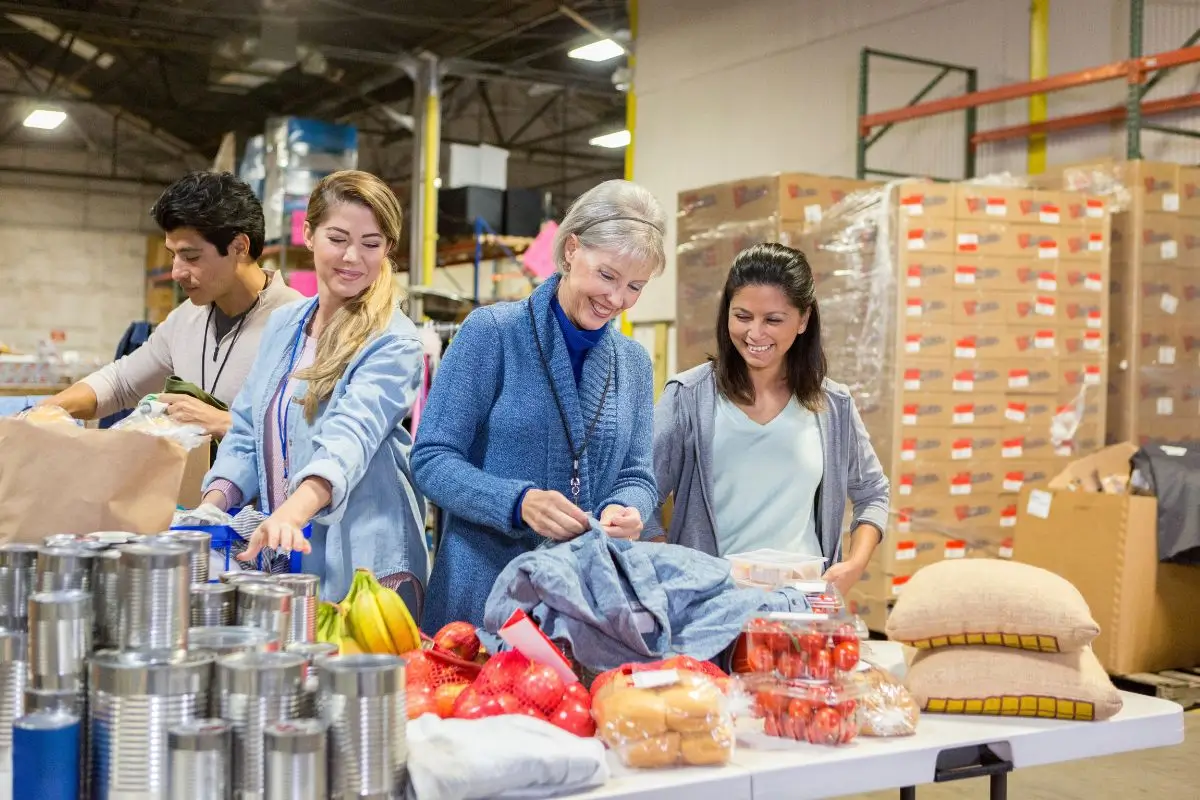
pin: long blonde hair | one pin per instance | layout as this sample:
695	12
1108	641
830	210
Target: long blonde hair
370	313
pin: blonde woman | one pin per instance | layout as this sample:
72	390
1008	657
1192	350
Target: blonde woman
317	434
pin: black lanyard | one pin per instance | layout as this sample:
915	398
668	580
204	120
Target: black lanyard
576	454
212	310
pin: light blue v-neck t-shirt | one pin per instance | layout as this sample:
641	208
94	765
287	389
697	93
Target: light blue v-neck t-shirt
765	480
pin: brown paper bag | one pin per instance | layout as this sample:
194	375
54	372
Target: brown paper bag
67	479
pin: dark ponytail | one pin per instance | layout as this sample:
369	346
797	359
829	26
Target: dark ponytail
773	264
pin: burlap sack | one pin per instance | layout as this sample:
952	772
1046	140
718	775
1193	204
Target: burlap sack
981	601
1001	682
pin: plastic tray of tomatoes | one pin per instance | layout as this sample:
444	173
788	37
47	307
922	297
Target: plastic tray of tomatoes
808	646
822	713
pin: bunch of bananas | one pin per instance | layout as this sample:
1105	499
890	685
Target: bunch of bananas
373	617
331	628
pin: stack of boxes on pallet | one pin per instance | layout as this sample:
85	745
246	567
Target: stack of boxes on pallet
1154	376
1000	363
717	222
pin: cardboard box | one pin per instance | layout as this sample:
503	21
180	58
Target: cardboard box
923	375
928	341
926	234
1189	192
709	207
925	199
949	446
998	273
194	469
927	270
1151	238
989	342
1106	545
1026	206
942	410
924	307
807	197
1082	277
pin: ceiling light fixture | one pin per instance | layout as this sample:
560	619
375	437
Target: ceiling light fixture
45	119
603	50
612	140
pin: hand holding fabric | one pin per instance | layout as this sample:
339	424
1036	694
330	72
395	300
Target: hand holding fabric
552	515
621	522
189	411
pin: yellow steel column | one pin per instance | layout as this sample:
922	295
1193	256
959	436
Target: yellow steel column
1039	67
631	120
432	138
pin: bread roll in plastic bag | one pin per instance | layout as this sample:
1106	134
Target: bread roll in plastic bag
886	708
665	718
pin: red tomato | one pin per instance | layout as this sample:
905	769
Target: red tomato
771	725
539	686
458	639
469	705
771	703
826	727
845	655
764	633
820	666
847	708
445	696
849	732
577	692
501	672
790	665
761	659
845	633
421	702
812	643
800	709
574	717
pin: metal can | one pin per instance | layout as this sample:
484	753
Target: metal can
253	690
305	589
18	574
212	604
311	651
155	605
362	701
133	700
106	601
266	606
199	753
199	544
14	676
46	756
63	567
60	639
224	640
235	575
296	760
111	538
71	701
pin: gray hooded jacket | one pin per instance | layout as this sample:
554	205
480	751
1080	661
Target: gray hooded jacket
683	465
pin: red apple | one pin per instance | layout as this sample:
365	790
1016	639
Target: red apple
458	639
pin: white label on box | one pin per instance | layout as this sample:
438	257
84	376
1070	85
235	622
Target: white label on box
1047	283
964	384
960	488
912	344
1166	355
897	586
964	277
964	417
1014	414
1170	202
1043	341
914	208
813	213
914	281
1006	550
1007	521
1049	216
909	419
968	240
1165	406
1044	307
962	351
1019	380
961	453
1095	209
1091	376
1169	303
914	308
1096	243
1048	250
1093	283
908	455
906	489
912	384
1092	343
1065	449
1039	504
655	678
906	553
956	550
1169	249
996	208
1013	485
916	242
1094	320
1011	451
904	525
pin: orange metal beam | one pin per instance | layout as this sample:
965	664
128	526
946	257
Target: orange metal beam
1133	70
1102	117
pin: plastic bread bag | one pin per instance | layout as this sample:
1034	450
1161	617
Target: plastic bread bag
886	708
150	417
665	718
47	415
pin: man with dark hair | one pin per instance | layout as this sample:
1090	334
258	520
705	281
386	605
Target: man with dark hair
214	231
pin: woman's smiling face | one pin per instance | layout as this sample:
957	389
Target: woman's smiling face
598	285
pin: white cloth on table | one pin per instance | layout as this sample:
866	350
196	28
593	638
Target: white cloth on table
513	755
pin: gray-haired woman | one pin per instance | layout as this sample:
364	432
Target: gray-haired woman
541	415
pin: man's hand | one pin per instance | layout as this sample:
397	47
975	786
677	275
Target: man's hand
844	575
190	411
552	515
621	522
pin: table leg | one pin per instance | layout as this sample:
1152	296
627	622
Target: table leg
908	793
999	786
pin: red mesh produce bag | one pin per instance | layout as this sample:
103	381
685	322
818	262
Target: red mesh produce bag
509	683
429	669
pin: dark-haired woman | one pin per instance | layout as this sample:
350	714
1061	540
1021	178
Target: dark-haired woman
758	447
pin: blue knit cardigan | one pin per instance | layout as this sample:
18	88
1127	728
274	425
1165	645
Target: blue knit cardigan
491	430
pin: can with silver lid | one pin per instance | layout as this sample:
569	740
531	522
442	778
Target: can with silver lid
296	760
311	651
305	589
18	574
199	753
111	538
199	545
212	604
14	676
58	539
60	638
133	700
155	604
225	640
362	701
63	567
46	756
252	691
106	602
267	606
73	702
235	575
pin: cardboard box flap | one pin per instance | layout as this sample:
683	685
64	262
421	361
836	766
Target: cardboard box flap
1112	460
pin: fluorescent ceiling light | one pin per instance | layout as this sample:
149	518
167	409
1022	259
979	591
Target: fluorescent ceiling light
602	50
45	119
614	140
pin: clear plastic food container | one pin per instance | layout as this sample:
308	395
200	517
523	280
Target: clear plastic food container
824	713
772	569
802	647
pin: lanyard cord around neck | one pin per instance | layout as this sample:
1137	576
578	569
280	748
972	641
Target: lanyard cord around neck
237	332
576	455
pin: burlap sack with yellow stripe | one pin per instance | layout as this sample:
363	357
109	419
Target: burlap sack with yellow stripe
1001	682
982	601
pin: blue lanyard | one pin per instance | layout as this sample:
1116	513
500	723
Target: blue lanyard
284	409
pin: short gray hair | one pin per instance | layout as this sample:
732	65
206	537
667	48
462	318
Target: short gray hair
617	217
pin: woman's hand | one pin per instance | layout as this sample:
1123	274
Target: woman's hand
187	410
844	575
277	532
621	522
552	515
215	498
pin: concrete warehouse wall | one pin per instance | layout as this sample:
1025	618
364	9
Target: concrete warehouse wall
733	90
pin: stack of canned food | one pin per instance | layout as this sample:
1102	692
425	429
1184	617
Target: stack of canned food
125	674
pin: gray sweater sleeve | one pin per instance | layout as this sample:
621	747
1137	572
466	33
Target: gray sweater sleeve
121	384
669	435
867	485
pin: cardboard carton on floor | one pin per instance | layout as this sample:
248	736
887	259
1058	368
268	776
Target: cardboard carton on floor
1107	546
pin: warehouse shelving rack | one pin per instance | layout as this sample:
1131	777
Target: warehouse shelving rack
1141	72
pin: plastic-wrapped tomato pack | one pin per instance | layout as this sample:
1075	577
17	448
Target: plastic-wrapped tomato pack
665	718
818	713
810	647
